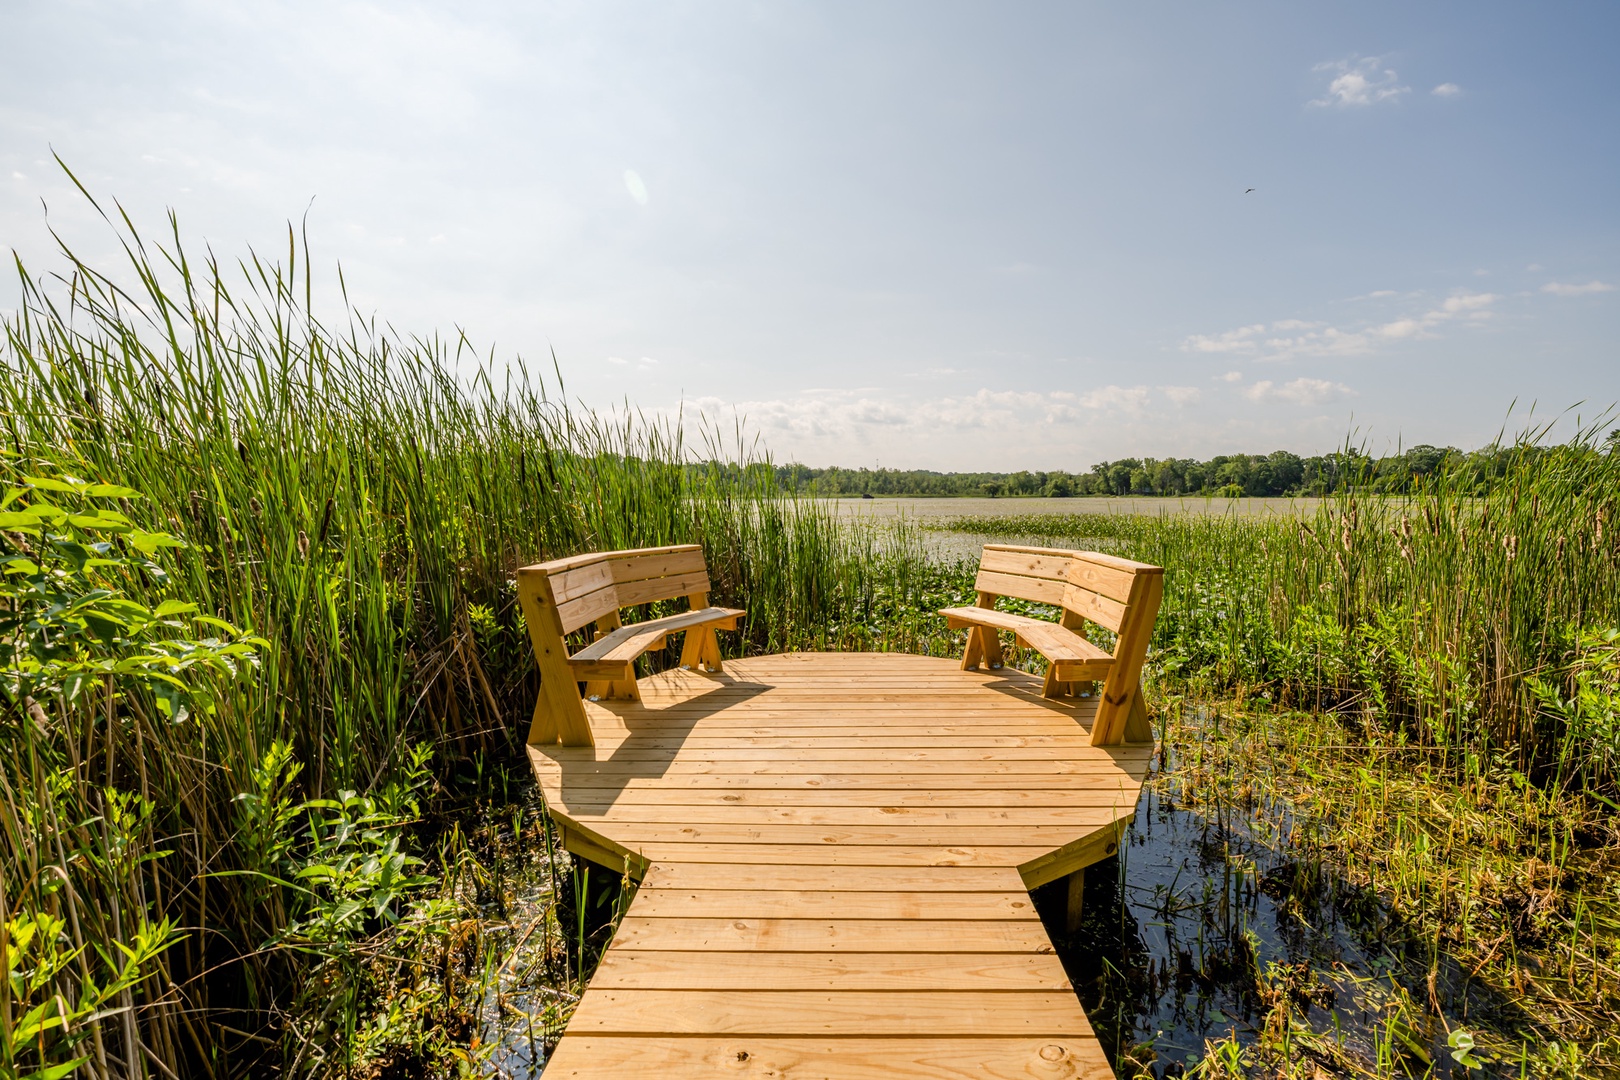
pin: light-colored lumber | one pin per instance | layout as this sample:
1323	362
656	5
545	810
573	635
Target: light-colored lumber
635	969
820	1012
830	935
628	642
1075	907
1125	678
966	817
1057	1056
834	855
840	878
654	903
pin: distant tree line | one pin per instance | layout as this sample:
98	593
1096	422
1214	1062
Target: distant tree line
1279	473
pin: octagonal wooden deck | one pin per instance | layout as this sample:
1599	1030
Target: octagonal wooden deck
834	852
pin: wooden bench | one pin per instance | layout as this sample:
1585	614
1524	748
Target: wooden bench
566	595
1118	594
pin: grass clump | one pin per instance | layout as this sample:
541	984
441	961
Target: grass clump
286	551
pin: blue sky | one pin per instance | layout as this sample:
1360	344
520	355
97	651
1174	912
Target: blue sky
910	234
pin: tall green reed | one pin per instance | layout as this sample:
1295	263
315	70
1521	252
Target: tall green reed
357	500
1449	616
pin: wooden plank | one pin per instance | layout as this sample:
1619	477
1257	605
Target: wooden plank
966	817
845	854
895	735
630	641
580	800
916	773
1075	855
1099	609
819	1012
631	750
610	670
721	934
1098	574
1026	562
1051	1056
1040	590
855	878
647	591
634	834
673	562
883	780
635	969
1053	641
576	582
663	903
587	608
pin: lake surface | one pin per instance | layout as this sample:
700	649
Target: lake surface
946	509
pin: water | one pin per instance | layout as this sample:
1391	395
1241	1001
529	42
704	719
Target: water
1205	928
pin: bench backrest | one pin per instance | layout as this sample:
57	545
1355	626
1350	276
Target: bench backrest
585	588
1087	583
1112	592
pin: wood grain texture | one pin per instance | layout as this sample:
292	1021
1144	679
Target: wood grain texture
1058	1056
834	854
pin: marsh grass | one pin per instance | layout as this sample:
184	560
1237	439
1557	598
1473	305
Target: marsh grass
355	502
1425	694
322	860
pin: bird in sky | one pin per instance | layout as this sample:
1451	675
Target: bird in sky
1246	192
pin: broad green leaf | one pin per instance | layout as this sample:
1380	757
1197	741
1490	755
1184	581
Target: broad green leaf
56	1072
46	483
172	607
148	542
111	491
19	519
101	519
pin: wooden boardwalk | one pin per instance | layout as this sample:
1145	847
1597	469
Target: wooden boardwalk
835	852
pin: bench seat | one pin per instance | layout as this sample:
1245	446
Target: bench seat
612	655
1073	657
587	593
1117	594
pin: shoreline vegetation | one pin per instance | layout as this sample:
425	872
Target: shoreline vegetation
263	801
1279	474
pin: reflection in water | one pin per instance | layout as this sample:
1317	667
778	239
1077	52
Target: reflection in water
1204	931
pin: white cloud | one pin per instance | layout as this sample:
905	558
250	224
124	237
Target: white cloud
1128	399
1534	267
1239	340
1289	339
636	186
1466	302
617	360
1182	395
1559	288
1359	82
1300	391
1446	89
1231	376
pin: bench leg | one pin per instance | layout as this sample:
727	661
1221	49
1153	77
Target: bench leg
992	648
974	650
1052	688
701	649
982	645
